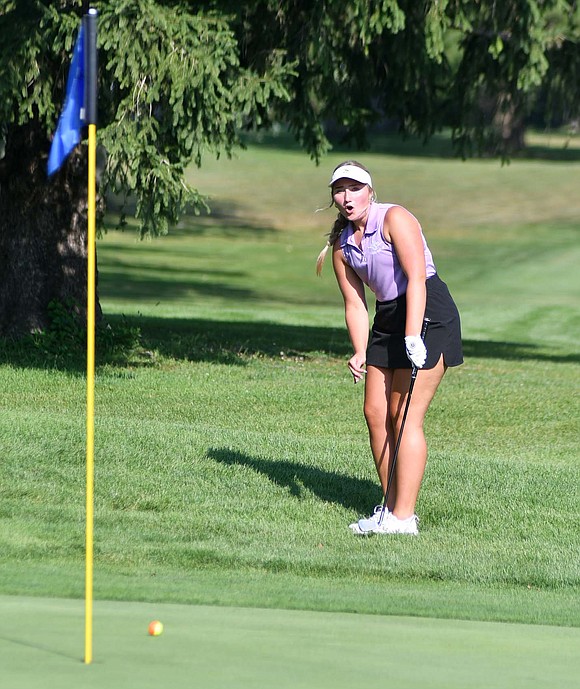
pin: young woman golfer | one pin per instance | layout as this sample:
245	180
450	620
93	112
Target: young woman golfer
381	245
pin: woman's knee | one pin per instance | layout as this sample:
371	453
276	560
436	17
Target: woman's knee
375	414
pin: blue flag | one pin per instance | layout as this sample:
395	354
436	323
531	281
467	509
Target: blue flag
68	130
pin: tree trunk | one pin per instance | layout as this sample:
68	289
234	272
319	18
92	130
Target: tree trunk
503	115
43	233
508	122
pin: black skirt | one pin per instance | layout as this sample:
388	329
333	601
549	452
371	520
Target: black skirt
386	347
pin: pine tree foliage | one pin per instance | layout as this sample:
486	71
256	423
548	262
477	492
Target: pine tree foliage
175	90
471	65
180	80
171	88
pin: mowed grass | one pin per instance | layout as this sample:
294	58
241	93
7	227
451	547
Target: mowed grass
222	647
231	452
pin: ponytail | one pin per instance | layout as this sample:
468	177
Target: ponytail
339	224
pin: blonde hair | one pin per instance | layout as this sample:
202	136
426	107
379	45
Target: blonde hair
340	223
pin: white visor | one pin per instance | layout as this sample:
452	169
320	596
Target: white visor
351	172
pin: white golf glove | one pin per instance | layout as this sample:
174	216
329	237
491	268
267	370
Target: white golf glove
416	351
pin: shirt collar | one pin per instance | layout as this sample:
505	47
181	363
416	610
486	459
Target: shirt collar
370	228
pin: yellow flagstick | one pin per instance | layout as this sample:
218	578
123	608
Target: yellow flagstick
90	117
90	395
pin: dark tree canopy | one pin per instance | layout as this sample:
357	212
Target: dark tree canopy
474	66
181	80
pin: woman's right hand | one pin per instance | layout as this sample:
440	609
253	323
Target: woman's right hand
356	365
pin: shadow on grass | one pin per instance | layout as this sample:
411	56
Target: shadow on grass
514	351
231	342
38	647
159	283
227	218
203	340
329	486
439	146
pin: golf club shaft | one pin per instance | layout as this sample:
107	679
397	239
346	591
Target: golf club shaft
396	452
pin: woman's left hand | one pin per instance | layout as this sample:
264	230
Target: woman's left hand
356	366
416	350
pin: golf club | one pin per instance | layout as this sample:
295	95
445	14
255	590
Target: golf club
367	525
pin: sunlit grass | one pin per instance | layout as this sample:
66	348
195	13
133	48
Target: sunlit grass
231	452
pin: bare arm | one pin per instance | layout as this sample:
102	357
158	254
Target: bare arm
402	230
355	311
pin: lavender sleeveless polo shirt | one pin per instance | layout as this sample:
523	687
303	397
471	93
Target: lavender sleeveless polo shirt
375	261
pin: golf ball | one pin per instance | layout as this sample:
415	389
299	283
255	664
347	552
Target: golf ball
155	628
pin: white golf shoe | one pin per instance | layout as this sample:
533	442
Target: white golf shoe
364	527
392	525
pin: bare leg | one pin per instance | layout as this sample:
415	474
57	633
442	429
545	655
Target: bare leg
378	391
385	399
412	458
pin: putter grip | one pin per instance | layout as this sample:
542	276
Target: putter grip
426	322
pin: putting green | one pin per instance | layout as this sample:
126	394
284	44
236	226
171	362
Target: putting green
42	644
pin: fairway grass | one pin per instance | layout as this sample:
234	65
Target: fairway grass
42	644
232	502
